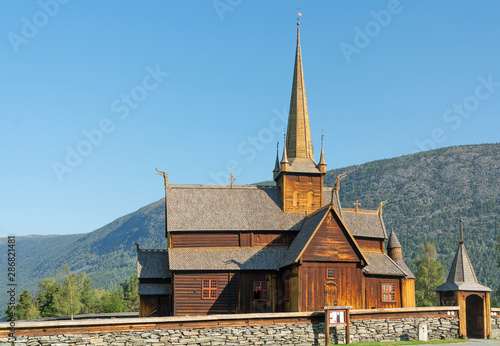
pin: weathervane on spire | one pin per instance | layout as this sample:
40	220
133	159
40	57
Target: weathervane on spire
299	14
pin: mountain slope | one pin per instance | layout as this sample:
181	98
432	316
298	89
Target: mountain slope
426	193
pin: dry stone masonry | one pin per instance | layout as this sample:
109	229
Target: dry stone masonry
290	334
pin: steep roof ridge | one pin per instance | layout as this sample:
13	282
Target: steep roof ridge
208	186
298	139
367	211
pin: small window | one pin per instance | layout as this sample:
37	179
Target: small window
388	293
330	273
260	290
287	289
310	199
209	289
295	201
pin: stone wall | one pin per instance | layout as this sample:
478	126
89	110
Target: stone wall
285	334
495	326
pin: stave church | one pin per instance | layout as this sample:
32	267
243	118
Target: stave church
290	247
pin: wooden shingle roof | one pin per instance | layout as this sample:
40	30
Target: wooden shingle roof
462	276
245	258
152	264
381	264
364	223
221	208
154	289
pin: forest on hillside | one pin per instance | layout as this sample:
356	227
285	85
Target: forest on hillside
426	192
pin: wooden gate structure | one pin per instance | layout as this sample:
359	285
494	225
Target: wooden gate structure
463	289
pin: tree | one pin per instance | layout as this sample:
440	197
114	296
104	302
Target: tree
67	298
87	295
495	301
112	301
429	275
45	297
130	289
26	308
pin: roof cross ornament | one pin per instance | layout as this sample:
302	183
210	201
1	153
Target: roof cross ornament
299	14
357	204
232	179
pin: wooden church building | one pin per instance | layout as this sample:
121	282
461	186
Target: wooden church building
283	248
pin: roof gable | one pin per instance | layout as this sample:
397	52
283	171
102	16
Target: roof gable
323	237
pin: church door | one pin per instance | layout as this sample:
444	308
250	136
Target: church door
330	293
475	316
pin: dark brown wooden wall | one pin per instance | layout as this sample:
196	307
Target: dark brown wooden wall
275	292
374	293
231	239
348	282
209	239
330	244
188	301
150	306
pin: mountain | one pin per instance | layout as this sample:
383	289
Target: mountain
426	191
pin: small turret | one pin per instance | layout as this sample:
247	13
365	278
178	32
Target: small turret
322	163
276	169
394	248
284	160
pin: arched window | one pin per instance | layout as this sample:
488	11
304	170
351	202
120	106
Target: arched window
295	201
309	199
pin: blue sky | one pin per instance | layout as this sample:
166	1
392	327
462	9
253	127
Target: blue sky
95	95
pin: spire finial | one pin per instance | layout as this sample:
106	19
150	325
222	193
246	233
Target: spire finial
277	163
298	16
322	163
284	158
461	241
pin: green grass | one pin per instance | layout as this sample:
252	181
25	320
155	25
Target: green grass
413	342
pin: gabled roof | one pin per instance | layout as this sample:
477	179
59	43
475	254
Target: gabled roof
222	208
246	258
154	289
381	264
152	264
306	234
364	223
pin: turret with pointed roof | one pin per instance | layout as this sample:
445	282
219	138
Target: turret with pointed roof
462	276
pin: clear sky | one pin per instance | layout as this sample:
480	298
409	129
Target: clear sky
94	95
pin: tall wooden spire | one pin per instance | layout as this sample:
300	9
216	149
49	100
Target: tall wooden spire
298	139
300	179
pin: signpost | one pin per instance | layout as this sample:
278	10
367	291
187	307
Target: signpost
337	316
